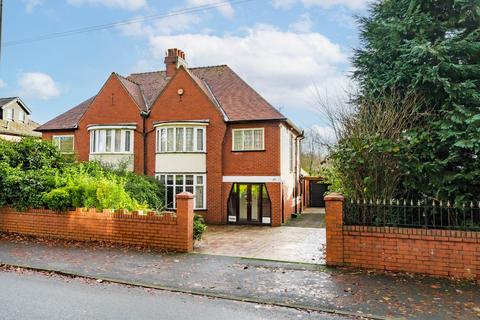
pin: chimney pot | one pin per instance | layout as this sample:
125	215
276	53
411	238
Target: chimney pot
174	58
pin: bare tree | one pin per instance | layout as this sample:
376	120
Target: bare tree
369	132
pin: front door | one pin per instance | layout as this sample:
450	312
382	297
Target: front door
249	196
249	203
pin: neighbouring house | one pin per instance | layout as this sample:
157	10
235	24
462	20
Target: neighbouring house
15	121
203	130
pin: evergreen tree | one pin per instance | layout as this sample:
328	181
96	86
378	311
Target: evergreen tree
430	48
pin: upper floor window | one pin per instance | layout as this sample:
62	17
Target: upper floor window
21	116
9	114
248	139
64	143
180	139
111	141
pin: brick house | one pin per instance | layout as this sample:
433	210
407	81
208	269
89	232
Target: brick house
202	130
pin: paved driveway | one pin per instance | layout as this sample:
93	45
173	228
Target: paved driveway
302	241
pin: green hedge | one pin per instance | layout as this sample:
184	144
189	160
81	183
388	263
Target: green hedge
33	174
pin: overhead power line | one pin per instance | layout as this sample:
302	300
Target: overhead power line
122	23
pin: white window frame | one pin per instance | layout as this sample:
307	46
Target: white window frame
174	186
99	137
162	144
234	131
21	116
9	114
56	140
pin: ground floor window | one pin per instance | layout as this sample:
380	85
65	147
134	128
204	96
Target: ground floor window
249	203
176	183
64	143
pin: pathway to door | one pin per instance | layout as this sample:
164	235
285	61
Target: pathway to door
302	241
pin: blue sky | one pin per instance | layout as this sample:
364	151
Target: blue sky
283	48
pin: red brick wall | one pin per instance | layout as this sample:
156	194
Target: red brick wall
253	163
443	253
166	232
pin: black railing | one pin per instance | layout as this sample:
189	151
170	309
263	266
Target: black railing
412	214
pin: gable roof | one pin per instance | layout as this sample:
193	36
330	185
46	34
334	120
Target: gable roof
5	101
230	93
134	91
69	119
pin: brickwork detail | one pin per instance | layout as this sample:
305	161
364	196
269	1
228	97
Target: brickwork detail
445	253
165	231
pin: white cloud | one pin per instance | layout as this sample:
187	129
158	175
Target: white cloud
351	4
304	24
166	25
37	85
121	4
225	9
2	83
31	4
282	65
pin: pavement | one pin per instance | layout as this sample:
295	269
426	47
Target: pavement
33	295
305	243
295	285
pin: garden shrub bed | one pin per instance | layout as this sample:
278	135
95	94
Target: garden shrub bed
33	174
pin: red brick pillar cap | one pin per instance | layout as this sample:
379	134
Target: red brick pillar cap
334	197
184	195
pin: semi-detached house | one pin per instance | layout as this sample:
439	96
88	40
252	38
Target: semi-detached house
202	130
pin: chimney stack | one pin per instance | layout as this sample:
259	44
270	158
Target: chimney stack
174	58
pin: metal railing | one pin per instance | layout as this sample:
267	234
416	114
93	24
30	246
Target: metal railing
412	214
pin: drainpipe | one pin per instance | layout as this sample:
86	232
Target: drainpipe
144	115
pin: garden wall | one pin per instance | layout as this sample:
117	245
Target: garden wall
445	253
167	231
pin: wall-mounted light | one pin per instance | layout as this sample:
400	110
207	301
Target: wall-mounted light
180	92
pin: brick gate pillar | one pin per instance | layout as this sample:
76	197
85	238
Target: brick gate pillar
185	220
334	229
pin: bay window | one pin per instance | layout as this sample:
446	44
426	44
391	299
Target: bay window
176	183
180	139
248	139
111	141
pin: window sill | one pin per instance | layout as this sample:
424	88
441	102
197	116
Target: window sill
111	153
181	152
259	150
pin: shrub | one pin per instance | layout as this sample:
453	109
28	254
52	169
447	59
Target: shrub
147	190
199	227
58	199
23	189
31	154
33	174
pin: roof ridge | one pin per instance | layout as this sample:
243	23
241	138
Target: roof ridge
130	80
146	72
190	68
211	66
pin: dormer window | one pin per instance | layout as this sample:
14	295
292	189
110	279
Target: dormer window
181	138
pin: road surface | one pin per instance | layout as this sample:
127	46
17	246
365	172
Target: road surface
33	295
